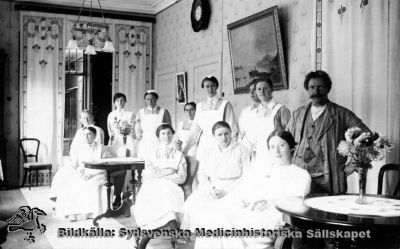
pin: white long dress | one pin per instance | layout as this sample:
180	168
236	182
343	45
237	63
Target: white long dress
219	169
247	133
262	182
148	123
264	125
161	199
207	114
118	116
74	194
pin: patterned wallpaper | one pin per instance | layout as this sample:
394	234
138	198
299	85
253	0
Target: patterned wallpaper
177	44
10	25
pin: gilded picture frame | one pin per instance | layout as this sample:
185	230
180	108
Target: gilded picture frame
256	50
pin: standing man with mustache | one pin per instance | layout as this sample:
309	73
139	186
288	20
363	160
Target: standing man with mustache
318	128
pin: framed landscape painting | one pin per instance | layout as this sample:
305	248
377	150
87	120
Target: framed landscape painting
256	50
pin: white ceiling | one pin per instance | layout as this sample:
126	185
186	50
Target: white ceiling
138	6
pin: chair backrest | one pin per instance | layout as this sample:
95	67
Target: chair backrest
22	145
387	167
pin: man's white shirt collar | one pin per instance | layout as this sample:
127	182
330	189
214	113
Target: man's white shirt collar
316	111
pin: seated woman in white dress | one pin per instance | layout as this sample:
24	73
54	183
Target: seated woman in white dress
252	204
183	143
160	199
79	191
220	167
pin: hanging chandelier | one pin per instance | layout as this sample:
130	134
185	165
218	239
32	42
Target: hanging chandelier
92	32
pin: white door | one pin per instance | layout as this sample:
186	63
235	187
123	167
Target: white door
165	86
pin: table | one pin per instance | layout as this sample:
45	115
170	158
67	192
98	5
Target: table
110	166
298	214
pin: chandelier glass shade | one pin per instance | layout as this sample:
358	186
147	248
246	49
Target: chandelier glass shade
92	32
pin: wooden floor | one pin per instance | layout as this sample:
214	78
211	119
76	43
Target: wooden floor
11	200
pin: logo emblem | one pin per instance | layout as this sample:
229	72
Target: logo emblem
27	219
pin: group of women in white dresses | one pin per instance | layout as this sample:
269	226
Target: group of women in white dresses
237	184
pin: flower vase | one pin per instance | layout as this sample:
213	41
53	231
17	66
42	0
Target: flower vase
126	154
362	184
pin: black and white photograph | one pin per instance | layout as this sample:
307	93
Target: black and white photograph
199	124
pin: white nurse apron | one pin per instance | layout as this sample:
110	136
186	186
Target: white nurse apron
149	124
264	126
206	120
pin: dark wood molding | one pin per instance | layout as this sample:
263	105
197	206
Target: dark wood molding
72	10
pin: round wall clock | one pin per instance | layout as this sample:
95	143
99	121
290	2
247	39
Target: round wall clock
200	14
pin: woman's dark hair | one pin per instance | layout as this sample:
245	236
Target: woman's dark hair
285	135
191	104
251	83
164	126
92	129
119	95
319	74
152	93
209	78
220	124
263	79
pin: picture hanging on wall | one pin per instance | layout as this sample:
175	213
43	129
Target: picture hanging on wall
256	50
181	88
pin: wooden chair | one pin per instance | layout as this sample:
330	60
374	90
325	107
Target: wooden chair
386	167
29	166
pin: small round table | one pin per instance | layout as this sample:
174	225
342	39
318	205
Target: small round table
298	214
110	167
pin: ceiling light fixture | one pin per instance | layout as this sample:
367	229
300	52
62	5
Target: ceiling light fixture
92	32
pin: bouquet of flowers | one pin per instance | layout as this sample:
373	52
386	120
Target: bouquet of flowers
124	128
363	147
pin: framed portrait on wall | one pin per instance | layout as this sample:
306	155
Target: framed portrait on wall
256	50
181	88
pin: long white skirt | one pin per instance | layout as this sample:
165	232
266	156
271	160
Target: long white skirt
158	201
202	211
78	196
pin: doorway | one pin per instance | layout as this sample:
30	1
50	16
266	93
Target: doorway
101	89
88	85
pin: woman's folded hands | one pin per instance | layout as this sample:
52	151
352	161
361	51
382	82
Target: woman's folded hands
256	206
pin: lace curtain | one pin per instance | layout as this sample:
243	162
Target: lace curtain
133	62
41	92
360	51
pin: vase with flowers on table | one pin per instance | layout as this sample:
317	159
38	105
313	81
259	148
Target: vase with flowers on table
361	148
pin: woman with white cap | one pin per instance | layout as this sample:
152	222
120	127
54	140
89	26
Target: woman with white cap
183	143
148	119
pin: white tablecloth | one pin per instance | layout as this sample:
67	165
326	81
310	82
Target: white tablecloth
346	204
